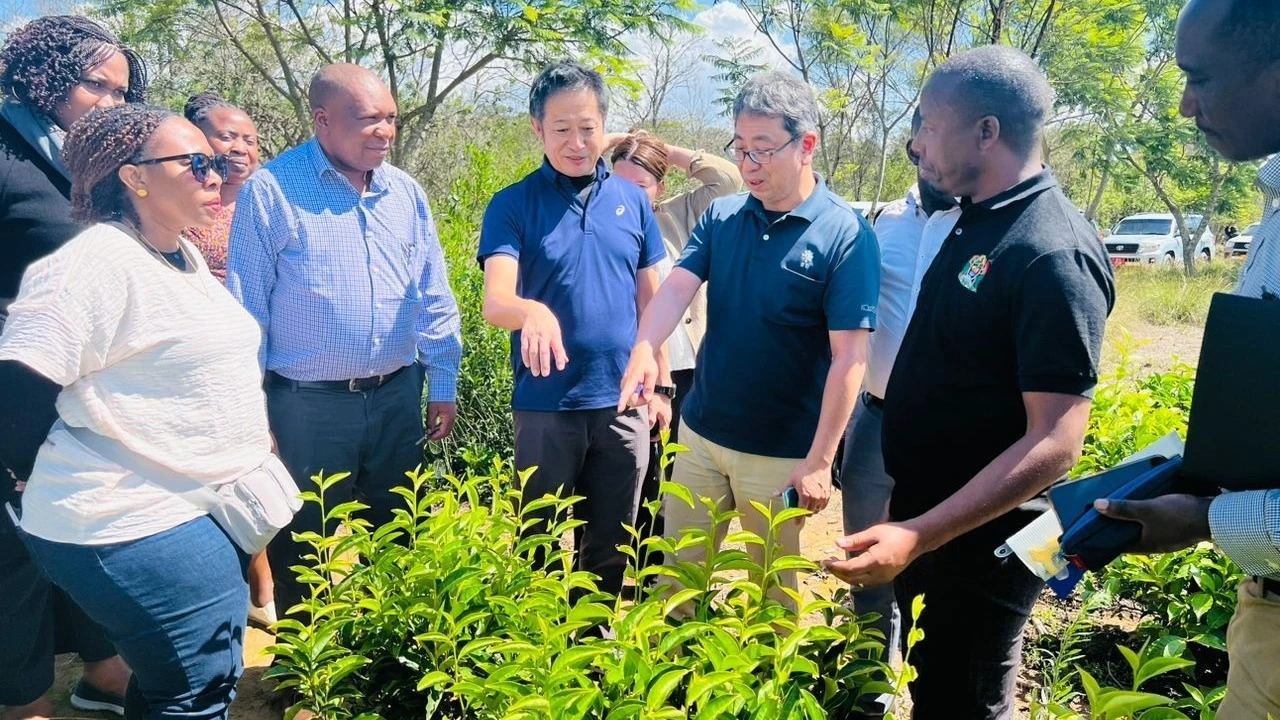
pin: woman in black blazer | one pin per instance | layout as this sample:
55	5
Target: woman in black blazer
53	71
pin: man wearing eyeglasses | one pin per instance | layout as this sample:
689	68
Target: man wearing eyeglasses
792	277
335	253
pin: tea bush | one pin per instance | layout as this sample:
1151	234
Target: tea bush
1185	597
1132	411
1191	593
440	614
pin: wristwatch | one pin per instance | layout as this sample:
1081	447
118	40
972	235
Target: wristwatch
668	390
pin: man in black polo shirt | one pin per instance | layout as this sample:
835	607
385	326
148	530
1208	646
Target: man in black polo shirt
989	397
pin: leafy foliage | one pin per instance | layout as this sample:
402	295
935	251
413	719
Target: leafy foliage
1189	594
1132	411
440	614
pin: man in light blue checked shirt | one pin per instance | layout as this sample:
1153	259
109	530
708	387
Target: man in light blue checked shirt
336	254
1228	50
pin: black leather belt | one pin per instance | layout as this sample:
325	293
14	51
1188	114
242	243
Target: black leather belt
873	401
1269	586
354	385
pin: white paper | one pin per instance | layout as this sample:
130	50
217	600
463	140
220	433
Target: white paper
1037	544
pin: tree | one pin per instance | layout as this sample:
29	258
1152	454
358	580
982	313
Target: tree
428	51
667	65
737	61
1152	139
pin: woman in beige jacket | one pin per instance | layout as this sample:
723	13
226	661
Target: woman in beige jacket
644	160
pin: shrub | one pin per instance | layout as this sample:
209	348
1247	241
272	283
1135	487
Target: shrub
1191	593
439	614
483	429
1130	412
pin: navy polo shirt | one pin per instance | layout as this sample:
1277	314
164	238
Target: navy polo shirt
774	292
578	254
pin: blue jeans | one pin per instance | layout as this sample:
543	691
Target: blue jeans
175	606
865	489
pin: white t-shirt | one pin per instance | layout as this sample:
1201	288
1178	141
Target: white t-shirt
162	361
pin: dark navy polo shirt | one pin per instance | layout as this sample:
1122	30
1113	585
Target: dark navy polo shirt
774	292
578	254
1016	301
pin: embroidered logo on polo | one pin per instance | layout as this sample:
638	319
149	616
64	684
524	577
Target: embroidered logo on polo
621	209
974	271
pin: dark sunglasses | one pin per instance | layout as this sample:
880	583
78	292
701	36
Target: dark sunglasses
201	164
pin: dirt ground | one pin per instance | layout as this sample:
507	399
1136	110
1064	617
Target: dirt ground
1156	348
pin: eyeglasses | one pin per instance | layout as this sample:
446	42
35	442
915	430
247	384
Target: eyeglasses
101	89
201	164
759	157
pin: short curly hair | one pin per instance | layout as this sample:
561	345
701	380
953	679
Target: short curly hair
97	146
43	60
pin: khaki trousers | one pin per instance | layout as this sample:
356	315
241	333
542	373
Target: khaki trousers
732	480
1253	649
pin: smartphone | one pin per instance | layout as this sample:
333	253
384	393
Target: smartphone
790	498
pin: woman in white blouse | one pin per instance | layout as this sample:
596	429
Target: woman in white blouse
148	358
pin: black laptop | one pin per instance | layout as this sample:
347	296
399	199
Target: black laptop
1233	435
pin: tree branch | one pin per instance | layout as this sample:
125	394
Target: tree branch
306	33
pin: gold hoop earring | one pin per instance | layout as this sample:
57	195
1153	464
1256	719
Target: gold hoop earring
142	192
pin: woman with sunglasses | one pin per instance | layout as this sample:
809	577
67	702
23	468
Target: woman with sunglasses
154	370
53	71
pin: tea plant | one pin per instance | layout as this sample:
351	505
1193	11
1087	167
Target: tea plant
1058	655
441	614
1131	412
1190	594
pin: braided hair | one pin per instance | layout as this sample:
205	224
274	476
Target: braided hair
97	146
199	107
43	60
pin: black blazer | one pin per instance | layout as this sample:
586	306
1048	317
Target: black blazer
35	210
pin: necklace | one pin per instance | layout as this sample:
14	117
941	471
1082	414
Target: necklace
136	233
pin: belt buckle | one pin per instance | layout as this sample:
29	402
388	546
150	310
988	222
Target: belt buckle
365	384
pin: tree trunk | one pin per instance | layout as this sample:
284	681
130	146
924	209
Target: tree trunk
1092	213
884	162
1215	191
998	10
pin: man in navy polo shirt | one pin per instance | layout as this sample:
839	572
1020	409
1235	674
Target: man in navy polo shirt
989	396
570	255
792	277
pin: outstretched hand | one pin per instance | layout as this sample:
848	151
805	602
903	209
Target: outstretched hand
884	551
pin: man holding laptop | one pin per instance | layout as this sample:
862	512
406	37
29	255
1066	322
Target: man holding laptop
1246	524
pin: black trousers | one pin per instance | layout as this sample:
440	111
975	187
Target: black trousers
37	620
373	435
600	455
975	608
